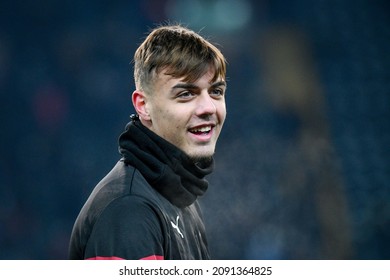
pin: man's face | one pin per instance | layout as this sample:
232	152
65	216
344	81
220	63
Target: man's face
188	115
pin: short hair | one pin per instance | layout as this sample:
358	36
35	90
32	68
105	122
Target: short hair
178	50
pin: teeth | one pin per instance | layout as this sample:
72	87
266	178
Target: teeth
201	129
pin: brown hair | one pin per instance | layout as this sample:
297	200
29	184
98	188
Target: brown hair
178	50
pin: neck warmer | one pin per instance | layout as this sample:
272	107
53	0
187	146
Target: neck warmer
166	168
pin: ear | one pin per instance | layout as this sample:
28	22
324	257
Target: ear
140	104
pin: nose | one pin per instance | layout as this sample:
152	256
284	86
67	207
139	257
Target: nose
205	105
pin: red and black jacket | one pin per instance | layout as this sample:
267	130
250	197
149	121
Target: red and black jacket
146	207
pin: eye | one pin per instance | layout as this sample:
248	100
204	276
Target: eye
184	95
217	92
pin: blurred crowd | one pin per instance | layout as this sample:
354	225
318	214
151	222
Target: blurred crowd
302	165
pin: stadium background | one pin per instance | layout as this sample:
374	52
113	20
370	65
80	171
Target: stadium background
302	166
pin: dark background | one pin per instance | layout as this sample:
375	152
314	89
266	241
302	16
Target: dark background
302	165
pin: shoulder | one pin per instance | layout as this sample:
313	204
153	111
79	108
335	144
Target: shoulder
123	187
122	204
128	213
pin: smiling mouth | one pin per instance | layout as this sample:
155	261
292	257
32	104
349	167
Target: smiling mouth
204	130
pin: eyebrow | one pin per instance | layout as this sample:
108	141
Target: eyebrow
193	86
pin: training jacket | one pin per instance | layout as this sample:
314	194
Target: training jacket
146	207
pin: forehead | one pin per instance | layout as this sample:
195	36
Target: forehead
163	78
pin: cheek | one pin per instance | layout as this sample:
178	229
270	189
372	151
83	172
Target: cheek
167	121
221	111
160	113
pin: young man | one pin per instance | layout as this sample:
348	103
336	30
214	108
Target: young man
146	207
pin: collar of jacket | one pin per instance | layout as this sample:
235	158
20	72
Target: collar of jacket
166	168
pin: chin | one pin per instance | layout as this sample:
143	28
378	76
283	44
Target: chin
201	156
